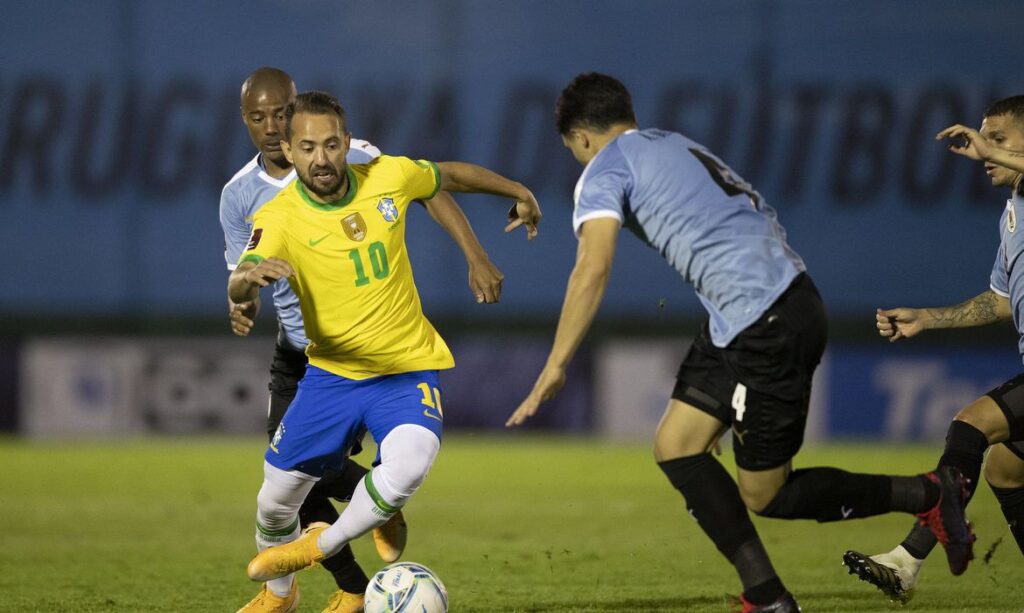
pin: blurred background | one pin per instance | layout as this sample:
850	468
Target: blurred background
119	125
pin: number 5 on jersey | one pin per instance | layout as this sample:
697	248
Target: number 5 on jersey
432	401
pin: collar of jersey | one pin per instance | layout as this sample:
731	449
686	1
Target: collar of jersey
353	185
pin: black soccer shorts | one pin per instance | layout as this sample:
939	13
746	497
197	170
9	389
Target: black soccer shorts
1010	398
760	384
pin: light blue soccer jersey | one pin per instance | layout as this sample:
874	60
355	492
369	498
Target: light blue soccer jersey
702	217
242	196
1007	278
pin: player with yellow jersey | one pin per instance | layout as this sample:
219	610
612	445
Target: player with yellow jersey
338	235
366	318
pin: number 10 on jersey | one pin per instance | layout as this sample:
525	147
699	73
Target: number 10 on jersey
378	257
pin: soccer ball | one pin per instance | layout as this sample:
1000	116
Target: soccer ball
406	587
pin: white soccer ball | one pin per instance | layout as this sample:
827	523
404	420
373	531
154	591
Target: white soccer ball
406	587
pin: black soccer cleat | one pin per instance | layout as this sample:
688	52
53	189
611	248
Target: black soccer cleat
947	519
888	579
784	604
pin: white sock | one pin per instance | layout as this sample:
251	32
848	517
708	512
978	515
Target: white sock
406	455
277	514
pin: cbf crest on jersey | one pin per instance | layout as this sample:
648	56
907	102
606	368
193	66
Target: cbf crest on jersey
354	226
278	435
387	208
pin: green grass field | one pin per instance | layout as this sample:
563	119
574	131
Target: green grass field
510	524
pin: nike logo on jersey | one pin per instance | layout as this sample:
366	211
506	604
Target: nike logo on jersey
432	416
846	512
314	243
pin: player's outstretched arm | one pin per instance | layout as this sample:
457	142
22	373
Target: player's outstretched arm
484	277
985	308
587	283
470	178
242	315
246	280
976	147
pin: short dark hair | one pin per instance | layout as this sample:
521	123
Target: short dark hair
315	103
593	100
1014	106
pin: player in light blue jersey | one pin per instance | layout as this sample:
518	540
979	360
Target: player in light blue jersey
750	367
264	95
996	420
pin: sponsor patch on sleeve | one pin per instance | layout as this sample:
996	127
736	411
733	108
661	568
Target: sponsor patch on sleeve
254	239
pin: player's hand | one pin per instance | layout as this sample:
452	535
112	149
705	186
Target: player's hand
485	280
241	324
968	142
895	324
268	271
525	212
548	384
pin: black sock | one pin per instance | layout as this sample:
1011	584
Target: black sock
339	484
830	494
346	571
965	450
765	593
714	501
965	446
1011	500
342	565
914	494
760	583
919	542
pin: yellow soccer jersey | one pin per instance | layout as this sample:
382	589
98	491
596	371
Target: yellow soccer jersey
353	278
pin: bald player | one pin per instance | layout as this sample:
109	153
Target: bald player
264	95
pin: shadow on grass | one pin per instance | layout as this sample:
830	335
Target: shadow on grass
631	604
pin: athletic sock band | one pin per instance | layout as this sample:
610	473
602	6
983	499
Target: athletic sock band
384	509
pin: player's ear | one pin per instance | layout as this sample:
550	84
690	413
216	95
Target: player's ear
286	149
347	140
583	139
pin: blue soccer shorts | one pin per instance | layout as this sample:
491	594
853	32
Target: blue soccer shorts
330	413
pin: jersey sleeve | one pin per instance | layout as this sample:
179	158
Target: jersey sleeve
361	152
232	222
422	178
999	281
602	191
267	239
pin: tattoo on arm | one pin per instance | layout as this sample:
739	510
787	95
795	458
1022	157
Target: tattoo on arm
978	311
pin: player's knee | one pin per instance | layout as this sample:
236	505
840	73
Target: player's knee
280	496
986	417
757	498
407	453
669	446
1003	474
274	508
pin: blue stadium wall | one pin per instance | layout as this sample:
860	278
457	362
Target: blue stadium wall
119	124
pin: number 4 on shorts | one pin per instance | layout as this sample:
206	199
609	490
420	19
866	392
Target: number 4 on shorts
739	400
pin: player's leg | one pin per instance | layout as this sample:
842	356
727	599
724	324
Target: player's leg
287	369
277	522
773	361
317	431
1004	471
695	418
405	417
895	572
391	536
